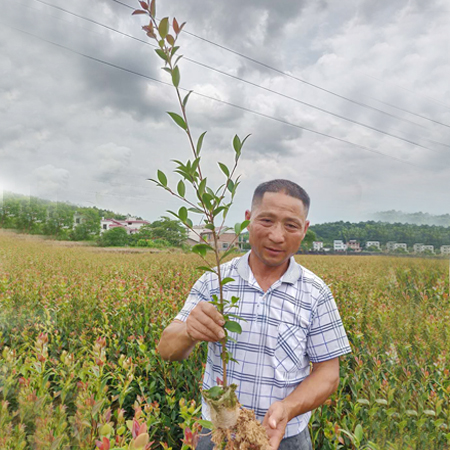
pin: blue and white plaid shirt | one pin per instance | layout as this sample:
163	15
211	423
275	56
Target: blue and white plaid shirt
296	321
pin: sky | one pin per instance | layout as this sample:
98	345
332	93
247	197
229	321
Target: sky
351	100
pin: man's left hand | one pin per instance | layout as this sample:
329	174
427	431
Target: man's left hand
275	422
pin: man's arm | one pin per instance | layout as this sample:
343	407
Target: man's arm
204	323
309	394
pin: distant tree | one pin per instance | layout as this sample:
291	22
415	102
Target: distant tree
116	237
90	226
167	229
310	237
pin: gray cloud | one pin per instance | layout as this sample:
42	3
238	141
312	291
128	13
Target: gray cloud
94	134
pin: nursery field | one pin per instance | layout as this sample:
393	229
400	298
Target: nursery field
79	369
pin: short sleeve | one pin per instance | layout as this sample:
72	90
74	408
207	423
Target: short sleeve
199	292
327	338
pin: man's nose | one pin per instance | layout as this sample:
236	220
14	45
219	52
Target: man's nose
277	233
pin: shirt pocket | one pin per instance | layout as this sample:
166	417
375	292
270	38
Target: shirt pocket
290	348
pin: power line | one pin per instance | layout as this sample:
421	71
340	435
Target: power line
257	85
242	108
281	72
410	112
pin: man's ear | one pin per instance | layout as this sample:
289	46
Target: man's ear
306	227
247	214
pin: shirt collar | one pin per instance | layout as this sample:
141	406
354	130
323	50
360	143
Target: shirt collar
291	275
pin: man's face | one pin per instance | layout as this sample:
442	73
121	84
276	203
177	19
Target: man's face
277	227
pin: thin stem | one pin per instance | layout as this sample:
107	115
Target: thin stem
224	340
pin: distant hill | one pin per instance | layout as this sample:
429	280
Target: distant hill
418	218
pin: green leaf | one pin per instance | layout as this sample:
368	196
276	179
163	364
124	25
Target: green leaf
206	198
206	269
176	76
215	392
226	280
224	169
183	214
178	120
230	185
237	144
162	178
161	54
206	423
218	210
196	210
359	432
163	27
153	8
174	50
200	142
186	98
210	226
363	401
189	223
233	326
201	188
181	188
201	249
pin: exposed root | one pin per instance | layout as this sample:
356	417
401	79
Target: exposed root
247	434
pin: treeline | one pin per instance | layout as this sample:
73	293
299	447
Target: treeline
383	232
37	216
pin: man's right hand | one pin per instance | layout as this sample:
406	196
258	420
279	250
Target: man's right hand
205	323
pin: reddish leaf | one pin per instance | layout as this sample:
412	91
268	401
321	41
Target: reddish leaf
106	445
153	8
219	381
135	429
175	26
144	5
143	428
182	26
138	11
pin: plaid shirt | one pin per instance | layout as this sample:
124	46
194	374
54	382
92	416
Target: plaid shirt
296	321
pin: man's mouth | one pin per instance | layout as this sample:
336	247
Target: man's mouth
274	251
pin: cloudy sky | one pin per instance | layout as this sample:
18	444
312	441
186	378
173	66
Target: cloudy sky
349	99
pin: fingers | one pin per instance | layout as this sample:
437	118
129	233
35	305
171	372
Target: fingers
205	323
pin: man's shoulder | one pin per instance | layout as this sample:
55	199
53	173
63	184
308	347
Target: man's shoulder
309	278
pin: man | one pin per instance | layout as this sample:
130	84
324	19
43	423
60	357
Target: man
291	320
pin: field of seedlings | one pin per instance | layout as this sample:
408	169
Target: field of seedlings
79	369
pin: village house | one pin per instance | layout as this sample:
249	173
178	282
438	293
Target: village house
445	249
418	248
200	234
317	246
131	224
400	245
390	246
339	246
353	244
375	244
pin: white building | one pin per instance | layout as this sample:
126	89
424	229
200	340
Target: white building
400	245
429	248
418	248
131	224
317	246
373	244
445	249
339	246
390	246
200	234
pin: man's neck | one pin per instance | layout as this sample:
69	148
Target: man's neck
266	275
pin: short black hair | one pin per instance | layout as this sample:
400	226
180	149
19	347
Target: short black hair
288	187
